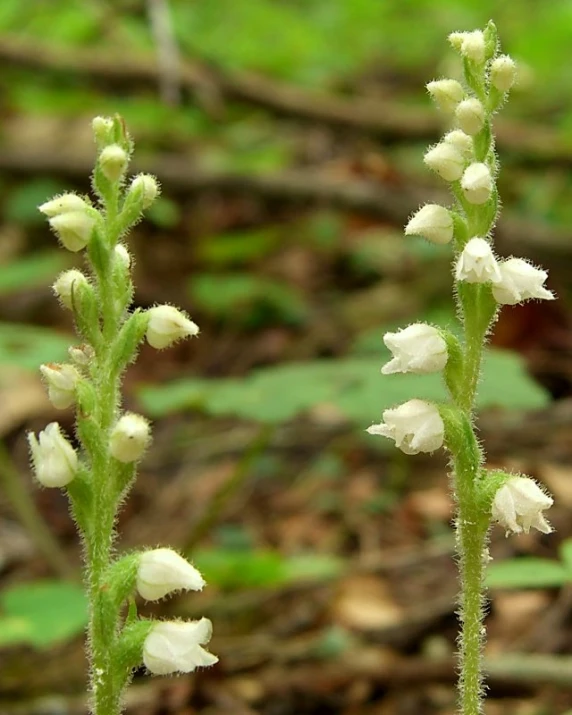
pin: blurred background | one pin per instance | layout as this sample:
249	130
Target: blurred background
288	136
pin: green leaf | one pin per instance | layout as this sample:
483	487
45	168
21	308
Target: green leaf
566	555
231	568
240	247
37	269
22	202
28	346
527	572
53	611
14	631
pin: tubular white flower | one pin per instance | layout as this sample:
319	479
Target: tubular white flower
433	222
113	161
175	647
129	438
446	161
477	183
461	141
470	44
73	228
519	281
419	349
149	187
447	93
62	205
518	506
503	73
416	426
167	325
55	460
67	285
477	263
470	114
162	571
62	381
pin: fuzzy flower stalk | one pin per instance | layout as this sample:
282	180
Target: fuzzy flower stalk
98	473
466	159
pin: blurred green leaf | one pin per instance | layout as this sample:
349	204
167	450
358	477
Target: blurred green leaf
30	271
237	248
566	556
526	572
21	204
164	213
28	346
53	611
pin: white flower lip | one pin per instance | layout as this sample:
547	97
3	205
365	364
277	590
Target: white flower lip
162	571
432	222
477	263
62	381
416	426
518	506
446	160
73	228
520	281
419	349
55	460
175	647
63	204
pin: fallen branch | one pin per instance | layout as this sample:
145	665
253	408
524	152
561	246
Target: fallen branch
212	86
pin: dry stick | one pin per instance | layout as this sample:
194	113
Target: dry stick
167	51
382	119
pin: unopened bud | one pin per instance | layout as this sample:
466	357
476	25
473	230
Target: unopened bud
447	93
167	325
122	255
55	460
461	141
113	161
102	130
503	73
62	381
129	438
73	229
162	571
477	183
67	286
470	44
470	114
433	222
149	187
176	647
446	161
81	355
62	205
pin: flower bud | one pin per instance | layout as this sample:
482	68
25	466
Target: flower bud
73	229
419	349
470	44
149	187
433	222
67	285
519	281
477	263
55	460
518	506
129	438
122	256
447	93
416	426
477	183
461	141
113	162
62	381
470	114
62	205
503	73
167	325
102	130
162	571
446	161
81	355
175	647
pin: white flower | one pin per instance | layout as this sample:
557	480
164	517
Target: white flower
447	93
73	228
477	183
67	285
433	222
520	281
470	44
416	426
162	571
149	187
129	438
477	263
470	114
419	348
503	73
62	381
518	506
62	205
55	460
113	161
445	160
167	325
175	647
122	255
461	141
